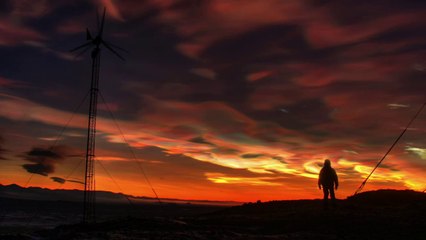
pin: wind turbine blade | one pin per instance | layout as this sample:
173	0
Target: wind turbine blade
88	35
97	19
102	24
112	50
82	52
115	46
81	46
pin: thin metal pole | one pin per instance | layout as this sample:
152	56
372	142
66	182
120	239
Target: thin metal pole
89	180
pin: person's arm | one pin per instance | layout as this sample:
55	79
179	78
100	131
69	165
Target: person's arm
336	180
319	179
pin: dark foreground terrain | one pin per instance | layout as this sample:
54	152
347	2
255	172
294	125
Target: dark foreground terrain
383	214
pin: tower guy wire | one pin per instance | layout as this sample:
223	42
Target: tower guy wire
36	213
130	148
390	149
53	145
115	182
61	132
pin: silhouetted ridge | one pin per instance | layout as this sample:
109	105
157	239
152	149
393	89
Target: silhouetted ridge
388	197
14	191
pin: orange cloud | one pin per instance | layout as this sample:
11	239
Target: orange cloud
223	179
12	34
218	20
9	83
258	75
29	9
322	32
112	9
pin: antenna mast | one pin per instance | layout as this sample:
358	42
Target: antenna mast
89	179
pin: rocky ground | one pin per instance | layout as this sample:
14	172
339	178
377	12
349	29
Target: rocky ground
371	215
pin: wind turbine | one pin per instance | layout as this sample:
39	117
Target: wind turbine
95	44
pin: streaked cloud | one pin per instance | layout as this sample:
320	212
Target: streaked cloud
258	75
12	35
2	150
420	152
112	8
204	72
58	180
397	106
223	179
10	83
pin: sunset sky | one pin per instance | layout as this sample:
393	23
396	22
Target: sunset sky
219	99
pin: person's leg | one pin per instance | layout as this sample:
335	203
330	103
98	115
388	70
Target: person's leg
332	197
326	192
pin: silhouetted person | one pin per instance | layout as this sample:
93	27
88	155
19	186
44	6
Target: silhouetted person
328	181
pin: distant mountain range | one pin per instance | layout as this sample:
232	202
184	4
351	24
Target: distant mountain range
15	191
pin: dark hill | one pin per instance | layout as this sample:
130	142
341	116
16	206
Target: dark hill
14	191
389	197
382	214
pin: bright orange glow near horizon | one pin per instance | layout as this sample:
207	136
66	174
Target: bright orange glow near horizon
222	187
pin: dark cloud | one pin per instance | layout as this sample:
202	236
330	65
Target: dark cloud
38	168
58	180
279	159
200	140
225	150
44	160
75	181
251	155
2	150
299	116
5	7
260	45
62	180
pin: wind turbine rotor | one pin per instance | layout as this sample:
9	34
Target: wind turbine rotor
97	41
112	50
101	30
81	46
88	35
